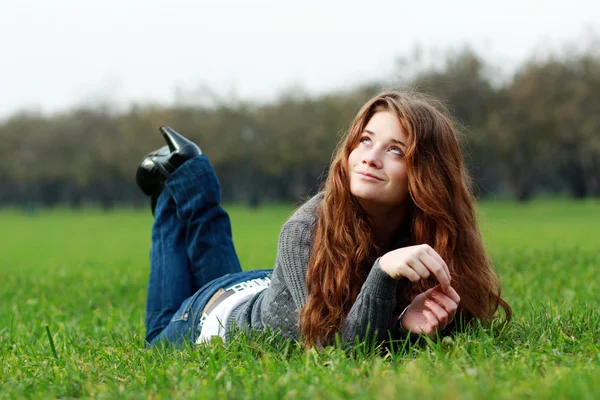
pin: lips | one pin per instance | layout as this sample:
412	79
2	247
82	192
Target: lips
368	175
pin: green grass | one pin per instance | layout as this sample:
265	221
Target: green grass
84	276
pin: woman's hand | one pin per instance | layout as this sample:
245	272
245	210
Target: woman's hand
431	311
416	263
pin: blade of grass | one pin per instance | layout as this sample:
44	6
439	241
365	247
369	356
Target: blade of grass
51	342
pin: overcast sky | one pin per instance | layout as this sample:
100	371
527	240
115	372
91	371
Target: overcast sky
56	53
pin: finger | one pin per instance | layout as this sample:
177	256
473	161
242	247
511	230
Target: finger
419	267
430	254
408	272
440	313
432	323
439	259
436	269
446	303
453	295
444	300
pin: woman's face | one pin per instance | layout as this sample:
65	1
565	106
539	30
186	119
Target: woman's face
377	167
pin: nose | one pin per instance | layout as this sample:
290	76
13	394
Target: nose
372	158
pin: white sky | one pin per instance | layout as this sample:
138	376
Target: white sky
56	53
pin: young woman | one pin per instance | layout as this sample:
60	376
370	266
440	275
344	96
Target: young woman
390	246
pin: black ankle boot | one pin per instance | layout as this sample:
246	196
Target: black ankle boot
156	167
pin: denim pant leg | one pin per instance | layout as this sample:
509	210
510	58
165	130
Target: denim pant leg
191	241
185	326
209	244
170	281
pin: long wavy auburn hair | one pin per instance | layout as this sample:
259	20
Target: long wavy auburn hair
441	215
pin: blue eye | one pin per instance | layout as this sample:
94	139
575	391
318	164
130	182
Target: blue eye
365	140
396	150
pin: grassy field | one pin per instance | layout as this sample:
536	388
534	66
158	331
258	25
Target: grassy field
82	278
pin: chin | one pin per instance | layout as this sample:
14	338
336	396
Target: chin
368	197
366	194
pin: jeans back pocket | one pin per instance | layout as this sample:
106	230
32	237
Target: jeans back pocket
185	311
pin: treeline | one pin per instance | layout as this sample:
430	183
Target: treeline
537	132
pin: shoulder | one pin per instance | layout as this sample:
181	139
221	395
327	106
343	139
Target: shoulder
300	227
295	246
308	213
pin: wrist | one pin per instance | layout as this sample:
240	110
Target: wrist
401	320
382	261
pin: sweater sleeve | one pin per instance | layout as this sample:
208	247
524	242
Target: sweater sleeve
278	307
293	253
371	314
372	311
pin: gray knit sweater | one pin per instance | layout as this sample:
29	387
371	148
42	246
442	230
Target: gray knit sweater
277	307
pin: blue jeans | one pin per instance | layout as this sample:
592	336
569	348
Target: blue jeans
192	253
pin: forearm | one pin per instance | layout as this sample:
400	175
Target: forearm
371	314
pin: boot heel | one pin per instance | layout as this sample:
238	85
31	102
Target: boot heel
156	167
